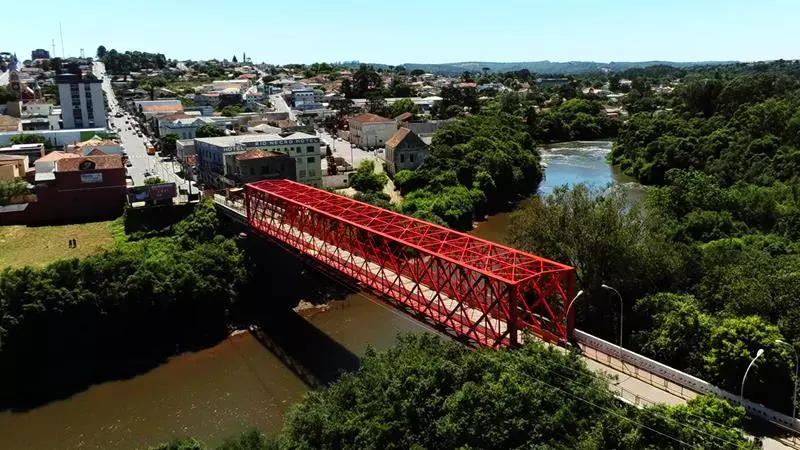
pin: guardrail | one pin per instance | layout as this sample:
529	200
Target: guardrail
684	380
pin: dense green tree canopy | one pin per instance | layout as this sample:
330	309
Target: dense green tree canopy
366	180
475	165
168	143
430	393
27	138
144	294
210	130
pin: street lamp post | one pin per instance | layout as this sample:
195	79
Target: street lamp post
570	303
794	397
566	314
621	308
744	378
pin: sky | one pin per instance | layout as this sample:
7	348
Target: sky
418	31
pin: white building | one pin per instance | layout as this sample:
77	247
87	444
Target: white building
215	154
371	130
82	103
186	126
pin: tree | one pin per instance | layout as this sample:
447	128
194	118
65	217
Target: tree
27	138
231	110
431	393
377	105
101	52
608	239
147	292
366	180
404	105
12	188
8	95
154	180
365	81
234	60
168	144
209	130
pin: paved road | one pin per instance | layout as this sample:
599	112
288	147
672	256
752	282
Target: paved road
142	164
280	105
353	155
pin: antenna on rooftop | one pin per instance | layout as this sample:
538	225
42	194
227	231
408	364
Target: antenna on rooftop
82	54
54	48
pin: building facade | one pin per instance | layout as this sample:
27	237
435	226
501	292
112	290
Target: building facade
79	187
82	104
257	165
371	130
405	150
217	169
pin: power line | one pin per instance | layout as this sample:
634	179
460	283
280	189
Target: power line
592	374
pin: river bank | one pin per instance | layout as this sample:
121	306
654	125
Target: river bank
566	163
252	377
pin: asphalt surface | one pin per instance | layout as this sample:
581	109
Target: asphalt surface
279	104
142	165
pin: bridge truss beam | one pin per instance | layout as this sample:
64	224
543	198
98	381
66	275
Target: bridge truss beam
484	293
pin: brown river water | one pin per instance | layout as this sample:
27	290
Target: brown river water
240	383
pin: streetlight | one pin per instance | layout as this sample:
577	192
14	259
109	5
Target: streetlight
794	397
744	378
609	288
573	301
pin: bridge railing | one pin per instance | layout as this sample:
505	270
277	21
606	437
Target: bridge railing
660	373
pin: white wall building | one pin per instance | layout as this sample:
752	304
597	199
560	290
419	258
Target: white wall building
371	130
82	103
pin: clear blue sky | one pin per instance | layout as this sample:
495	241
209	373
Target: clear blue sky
425	31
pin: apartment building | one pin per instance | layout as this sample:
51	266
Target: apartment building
82	104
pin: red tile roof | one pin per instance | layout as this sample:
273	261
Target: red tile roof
101	163
256	154
369	117
56	155
397	137
96	152
403	117
162	108
405	134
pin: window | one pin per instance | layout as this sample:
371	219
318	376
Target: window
302	173
312	173
310	160
252	171
310	149
264	170
402	157
411	158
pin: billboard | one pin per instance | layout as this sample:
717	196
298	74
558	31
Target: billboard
152	192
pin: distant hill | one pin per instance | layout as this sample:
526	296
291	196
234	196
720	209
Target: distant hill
544	67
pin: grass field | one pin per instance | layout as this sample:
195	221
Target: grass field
37	246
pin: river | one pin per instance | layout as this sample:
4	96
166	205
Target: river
567	163
240	383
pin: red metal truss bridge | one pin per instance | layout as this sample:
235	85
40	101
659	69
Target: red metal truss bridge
479	291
